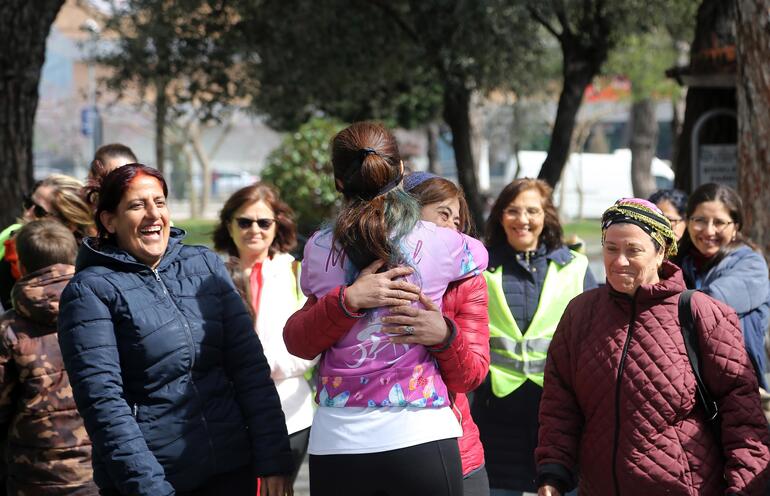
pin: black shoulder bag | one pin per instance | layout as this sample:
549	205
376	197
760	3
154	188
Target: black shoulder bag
690	335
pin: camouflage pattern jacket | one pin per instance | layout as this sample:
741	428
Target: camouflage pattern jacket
47	450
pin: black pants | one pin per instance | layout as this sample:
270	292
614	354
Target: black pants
298	442
241	482
476	484
426	469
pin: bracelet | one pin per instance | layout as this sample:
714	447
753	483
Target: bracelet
449	340
341	302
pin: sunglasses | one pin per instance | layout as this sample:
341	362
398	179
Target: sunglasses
38	211
245	223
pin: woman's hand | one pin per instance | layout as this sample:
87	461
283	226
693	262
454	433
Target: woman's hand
548	490
417	326
372	290
276	485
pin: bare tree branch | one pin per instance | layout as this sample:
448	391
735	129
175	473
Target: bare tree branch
542	20
386	7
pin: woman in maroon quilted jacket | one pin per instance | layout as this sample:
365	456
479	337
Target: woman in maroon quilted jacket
619	399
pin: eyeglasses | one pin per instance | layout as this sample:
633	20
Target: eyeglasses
701	223
245	223
674	222
38	211
517	212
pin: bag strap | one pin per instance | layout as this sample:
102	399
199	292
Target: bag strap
690	336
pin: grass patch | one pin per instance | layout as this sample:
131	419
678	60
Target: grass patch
198	231
589	229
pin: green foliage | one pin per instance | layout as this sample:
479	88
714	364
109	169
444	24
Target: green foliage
301	170
643	59
644	56
390	60
184	49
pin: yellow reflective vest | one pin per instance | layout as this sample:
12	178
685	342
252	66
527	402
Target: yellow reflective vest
516	357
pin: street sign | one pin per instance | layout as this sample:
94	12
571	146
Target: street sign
88	117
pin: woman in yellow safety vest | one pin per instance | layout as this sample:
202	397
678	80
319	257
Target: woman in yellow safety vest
532	276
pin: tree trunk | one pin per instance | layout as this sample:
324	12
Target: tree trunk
644	138
457	116
161	115
194	211
431	131
578	73
203	160
24	27
753	41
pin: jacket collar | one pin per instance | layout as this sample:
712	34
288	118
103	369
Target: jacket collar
504	253
93	252
671	283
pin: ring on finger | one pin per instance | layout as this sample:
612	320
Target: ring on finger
409	330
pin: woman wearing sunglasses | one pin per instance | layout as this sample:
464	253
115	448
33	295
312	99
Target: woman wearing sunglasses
257	230
719	260
57	197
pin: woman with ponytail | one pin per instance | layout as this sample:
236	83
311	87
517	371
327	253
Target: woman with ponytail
384	425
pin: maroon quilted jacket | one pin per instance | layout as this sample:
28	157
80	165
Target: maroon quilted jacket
619	399
321	323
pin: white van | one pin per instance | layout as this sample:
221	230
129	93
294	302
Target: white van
590	183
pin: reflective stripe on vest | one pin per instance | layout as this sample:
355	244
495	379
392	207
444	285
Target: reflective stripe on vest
514	357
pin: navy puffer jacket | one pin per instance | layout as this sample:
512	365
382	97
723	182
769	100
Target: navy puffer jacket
740	280
167	371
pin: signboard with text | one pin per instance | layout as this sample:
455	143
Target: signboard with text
718	164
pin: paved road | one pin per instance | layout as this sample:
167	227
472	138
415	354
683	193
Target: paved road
302	485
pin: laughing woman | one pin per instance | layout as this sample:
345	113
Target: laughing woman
165	366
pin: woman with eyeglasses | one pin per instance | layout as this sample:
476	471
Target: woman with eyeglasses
532	276
719	260
673	204
58	197
256	228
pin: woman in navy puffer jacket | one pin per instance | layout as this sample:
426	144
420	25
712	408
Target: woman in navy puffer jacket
165	366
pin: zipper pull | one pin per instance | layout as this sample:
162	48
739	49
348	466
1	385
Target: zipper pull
136	409
155	273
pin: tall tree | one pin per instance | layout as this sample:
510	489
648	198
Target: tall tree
753	43
177	54
24	27
586	31
403	61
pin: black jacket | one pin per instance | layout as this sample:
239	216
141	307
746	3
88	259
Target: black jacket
167	371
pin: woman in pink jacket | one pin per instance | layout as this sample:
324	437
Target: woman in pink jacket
384	425
464	359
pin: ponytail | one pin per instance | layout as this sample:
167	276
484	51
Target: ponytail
378	213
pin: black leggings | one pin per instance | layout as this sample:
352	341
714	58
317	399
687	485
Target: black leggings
298	442
426	469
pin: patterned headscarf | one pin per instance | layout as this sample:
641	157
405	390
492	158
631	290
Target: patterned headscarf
645	215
